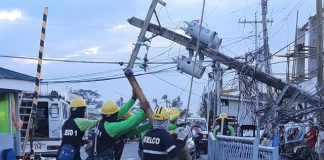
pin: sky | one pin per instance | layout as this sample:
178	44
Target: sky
98	31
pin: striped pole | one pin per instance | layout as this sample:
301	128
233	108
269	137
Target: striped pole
37	81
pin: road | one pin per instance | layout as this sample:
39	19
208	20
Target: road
130	152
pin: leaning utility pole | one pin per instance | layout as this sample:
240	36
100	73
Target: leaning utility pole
141	36
319	20
32	116
287	90
140	40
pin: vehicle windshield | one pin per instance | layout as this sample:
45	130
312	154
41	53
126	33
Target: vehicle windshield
202	123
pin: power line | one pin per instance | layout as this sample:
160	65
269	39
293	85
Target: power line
101	78
292	42
174	85
80	61
234	11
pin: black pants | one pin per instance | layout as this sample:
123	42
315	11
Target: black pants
107	154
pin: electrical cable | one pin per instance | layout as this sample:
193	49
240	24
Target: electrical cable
102	78
197	52
173	84
292	42
223	15
80	61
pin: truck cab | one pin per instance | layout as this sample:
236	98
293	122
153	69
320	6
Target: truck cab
52	112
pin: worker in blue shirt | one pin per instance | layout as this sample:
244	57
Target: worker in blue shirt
157	142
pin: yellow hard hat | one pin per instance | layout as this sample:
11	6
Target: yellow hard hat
223	115
127	115
109	107
174	113
174	110
161	113
77	102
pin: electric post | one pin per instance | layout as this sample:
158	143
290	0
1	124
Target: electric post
287	89
140	40
259	58
319	20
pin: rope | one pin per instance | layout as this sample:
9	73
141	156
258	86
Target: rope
197	51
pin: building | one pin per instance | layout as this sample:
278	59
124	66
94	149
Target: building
11	84
242	110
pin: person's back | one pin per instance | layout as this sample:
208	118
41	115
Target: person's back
104	140
73	130
156	144
72	135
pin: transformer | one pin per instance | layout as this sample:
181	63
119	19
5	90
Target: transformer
207	36
187	65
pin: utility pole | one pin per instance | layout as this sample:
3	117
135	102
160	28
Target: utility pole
319	20
33	112
141	36
140	40
287	89
266	54
255	22
259	59
218	88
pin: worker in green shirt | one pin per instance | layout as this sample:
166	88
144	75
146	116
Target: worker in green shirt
223	128
111	128
73	130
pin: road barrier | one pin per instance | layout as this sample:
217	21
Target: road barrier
238	148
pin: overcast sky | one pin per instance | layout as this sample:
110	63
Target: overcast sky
98	31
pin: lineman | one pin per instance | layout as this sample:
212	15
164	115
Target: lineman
110	129
142	129
73	131
157	142
174	115
227	129
120	141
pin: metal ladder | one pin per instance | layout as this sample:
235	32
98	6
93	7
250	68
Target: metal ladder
25	109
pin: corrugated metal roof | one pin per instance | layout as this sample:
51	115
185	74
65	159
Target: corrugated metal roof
9	74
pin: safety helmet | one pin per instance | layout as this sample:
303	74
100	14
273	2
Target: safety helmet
109	107
77	102
174	110
161	113
223	115
174	114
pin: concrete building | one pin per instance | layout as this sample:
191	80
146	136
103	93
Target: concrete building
232	106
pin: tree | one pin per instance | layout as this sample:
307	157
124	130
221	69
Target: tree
202	110
91	97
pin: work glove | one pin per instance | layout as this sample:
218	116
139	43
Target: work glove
128	72
182	134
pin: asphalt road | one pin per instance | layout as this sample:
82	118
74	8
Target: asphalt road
130	152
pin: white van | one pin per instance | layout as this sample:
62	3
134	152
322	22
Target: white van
52	112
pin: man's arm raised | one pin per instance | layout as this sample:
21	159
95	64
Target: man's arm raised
139	93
